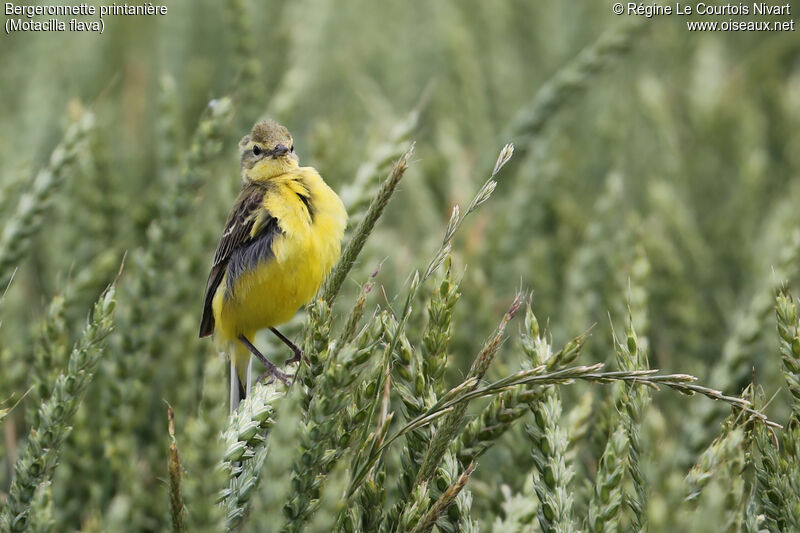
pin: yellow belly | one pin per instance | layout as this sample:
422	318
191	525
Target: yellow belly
303	255
273	292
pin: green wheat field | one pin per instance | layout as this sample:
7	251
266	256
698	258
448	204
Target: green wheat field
564	303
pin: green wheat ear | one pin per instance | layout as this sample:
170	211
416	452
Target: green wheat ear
40	454
29	218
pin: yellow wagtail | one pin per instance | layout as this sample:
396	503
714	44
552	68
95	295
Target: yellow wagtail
281	240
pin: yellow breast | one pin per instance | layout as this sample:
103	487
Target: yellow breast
302	256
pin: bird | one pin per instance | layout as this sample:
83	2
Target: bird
281	240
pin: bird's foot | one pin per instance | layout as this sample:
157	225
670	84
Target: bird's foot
298	355
273	373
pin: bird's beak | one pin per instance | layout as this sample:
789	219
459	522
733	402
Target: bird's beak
279	150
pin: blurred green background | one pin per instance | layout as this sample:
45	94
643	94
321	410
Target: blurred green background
660	169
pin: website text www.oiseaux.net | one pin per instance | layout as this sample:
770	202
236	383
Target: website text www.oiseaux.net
739	25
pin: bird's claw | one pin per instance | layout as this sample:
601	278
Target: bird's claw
298	355
274	372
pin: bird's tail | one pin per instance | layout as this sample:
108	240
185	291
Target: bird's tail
240	375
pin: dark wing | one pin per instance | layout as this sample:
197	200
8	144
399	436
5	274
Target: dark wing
236	241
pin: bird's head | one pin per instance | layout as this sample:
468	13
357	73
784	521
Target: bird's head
267	151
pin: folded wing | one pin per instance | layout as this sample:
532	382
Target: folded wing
246	241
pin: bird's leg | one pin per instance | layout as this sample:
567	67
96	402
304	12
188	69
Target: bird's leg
272	370
298	353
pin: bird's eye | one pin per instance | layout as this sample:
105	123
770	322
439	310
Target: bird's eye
256	150
291	149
